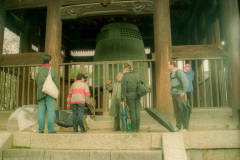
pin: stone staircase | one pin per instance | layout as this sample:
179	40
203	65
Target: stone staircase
217	118
107	145
212	135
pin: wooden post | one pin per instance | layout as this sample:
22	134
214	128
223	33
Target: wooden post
163	52
25	37
54	34
213	36
230	27
2	25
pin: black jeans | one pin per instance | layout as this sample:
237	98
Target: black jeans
77	111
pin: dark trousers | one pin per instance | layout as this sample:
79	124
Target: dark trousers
117	118
77	111
177	99
133	103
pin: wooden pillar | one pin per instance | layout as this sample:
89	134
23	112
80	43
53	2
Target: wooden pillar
25	36
54	34
230	28
163	52
2	25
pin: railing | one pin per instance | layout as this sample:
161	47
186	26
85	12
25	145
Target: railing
210	82
18	86
98	73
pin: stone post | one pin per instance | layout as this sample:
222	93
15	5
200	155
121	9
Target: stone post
163	52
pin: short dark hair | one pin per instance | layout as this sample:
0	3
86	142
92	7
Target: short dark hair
128	67
172	62
46	58
80	76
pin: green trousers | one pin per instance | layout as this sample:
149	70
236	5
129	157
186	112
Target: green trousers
133	103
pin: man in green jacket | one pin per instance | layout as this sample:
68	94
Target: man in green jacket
116	105
46	103
179	86
129	91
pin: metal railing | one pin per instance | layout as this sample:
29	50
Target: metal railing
18	86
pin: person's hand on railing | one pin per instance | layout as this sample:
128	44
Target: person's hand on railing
108	82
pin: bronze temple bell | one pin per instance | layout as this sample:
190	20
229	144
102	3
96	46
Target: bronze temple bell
120	42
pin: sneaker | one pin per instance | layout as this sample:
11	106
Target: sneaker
184	130
177	129
52	131
83	131
114	130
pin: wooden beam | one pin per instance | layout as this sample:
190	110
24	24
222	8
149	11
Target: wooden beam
116	8
13	4
178	52
21	59
198	52
22	4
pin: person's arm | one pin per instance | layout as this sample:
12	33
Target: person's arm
109	85
123	89
185	82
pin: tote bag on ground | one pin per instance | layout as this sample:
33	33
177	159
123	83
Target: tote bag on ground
49	86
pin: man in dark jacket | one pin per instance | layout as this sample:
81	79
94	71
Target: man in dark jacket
130	80
46	103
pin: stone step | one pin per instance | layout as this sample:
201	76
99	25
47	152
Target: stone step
91	140
82	155
201	119
107	140
118	145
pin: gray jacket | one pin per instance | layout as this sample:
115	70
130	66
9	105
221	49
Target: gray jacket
178	87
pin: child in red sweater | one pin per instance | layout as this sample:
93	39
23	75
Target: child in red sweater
76	97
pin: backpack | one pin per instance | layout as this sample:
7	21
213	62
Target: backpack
190	87
142	88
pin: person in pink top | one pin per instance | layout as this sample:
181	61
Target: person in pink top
76	97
